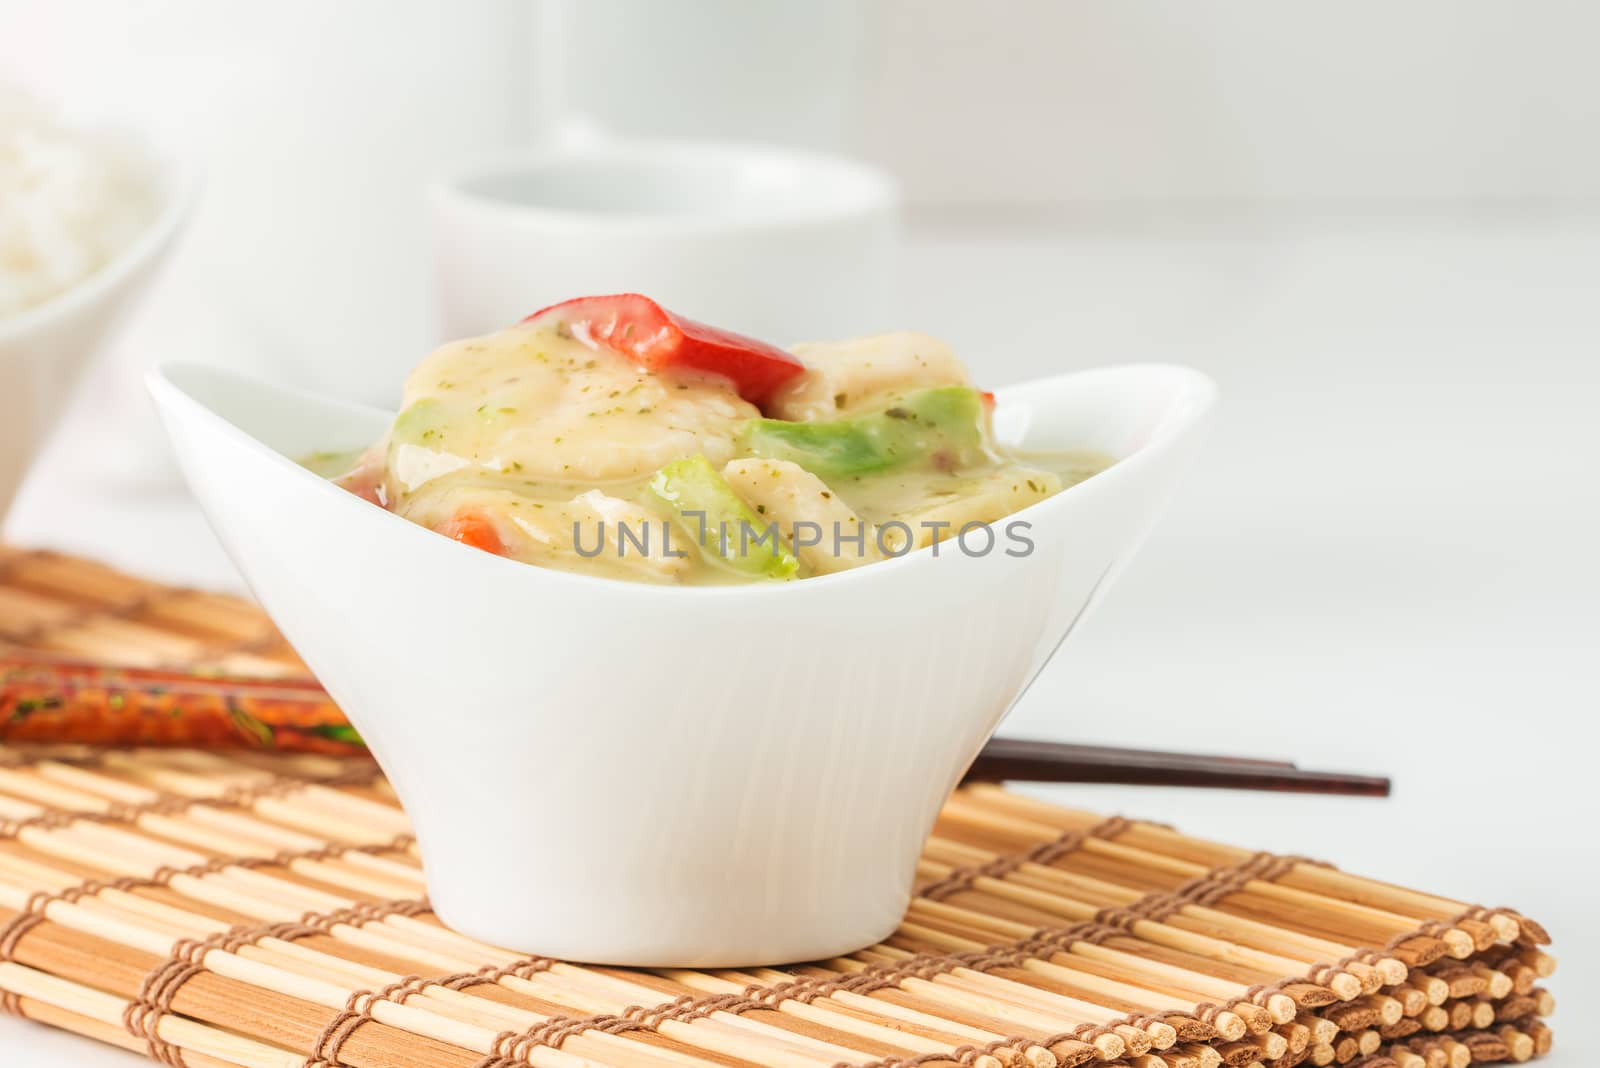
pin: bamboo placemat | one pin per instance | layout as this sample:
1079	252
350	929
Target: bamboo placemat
251	909
54	603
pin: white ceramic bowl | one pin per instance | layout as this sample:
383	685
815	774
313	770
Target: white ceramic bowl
646	775
44	349
772	242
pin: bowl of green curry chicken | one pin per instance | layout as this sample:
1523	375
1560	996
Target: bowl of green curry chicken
672	641
611	437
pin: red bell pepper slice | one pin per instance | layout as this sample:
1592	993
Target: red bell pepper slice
658	339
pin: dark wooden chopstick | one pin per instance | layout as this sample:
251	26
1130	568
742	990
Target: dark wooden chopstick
1024	760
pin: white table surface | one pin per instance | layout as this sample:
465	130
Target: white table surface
1386	560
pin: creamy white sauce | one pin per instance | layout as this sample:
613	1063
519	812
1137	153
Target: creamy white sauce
549	443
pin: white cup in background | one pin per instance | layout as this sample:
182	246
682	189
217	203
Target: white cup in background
781	244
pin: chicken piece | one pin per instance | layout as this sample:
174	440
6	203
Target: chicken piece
820	528
530	403
843	376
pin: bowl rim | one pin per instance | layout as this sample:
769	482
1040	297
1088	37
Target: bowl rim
1201	390
176	182
859	189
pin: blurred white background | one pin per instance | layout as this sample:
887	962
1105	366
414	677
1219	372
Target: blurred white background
1072	108
1378	225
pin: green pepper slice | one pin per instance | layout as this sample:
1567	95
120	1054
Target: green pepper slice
946	424
703	503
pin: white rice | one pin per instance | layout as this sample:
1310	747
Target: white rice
70	200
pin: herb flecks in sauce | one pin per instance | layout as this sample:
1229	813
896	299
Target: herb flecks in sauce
569	455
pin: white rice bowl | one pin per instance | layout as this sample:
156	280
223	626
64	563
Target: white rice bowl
71	199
